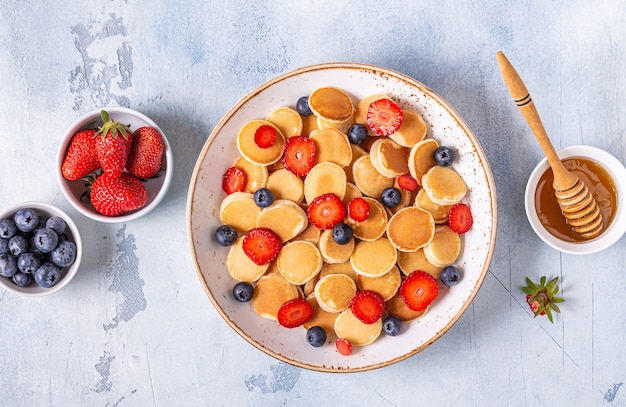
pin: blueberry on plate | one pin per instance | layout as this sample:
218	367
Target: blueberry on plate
316	336
46	240
28	262
263	197
18	244
357	133
302	106
26	220
64	254
444	156
7	228
450	275
22	279
342	233
225	235
243	291
4	246
57	224
47	275
392	325
8	265
391	197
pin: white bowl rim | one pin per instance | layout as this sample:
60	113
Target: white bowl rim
616	229
78	125
72	270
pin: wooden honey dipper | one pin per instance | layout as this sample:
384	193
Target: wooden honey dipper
576	202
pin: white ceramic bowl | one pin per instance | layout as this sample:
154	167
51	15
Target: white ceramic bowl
616	228
157	187
220	152
67	273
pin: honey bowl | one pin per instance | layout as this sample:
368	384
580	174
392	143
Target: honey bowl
604	175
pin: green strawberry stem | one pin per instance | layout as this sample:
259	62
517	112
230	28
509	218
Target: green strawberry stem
112	127
544	296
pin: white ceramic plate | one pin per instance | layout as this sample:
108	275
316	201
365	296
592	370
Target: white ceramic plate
220	152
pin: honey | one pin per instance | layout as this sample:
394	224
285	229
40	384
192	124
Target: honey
599	183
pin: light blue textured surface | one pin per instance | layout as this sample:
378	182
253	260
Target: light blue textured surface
135	328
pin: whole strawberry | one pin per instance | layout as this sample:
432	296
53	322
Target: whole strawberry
81	158
114	196
146	153
542	298
113	142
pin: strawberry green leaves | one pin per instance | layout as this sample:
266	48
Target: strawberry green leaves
542	298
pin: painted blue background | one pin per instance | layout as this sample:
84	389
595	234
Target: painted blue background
135	327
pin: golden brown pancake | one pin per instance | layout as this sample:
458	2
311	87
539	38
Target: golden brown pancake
373	258
338	268
334	292
256	175
396	306
333	252
270	292
349	327
285	218
332	104
239	211
367	178
374	226
288	121
410	229
323	178
239	265
439	212
284	184
411	261
445	247
299	261
412	130
333	146
421	158
443	185
320	317
255	154
386	285
389	158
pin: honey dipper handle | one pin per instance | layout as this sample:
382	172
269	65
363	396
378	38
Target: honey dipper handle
563	179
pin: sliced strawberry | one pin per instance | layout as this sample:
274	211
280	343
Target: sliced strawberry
234	180
261	245
326	211
418	290
299	155
294	313
265	136
407	182
358	209
384	117
343	346
367	306
460	218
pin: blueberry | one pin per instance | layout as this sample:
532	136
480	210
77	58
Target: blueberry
302	106
242	291
4	246
18	244
7	228
8	265
316	336
444	156
225	235
47	275
28	262
22	279
32	247
64	254
391	197
392	325
342	233
263	197
46	240
26	220
450	275
357	133
57	224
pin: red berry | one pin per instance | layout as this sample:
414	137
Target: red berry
81	157
265	136
418	290
261	245
407	182
367	306
113	142
384	117
114	196
294	313
299	155
146	153
344	346
358	209
234	180
326	211
460	218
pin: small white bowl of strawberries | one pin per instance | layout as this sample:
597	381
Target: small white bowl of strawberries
114	165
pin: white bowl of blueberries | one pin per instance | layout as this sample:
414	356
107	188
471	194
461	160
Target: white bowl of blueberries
40	249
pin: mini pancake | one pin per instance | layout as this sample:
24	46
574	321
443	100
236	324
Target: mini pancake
239	211
332	146
255	154
386	285
351	192
421	158
332	104
357	152
412	130
360	114
338	268
256	175
439	212
284	184
309	123
374	226
396	306
341	126
411	261
349	327
373	258
239	265
389	158
320	317
310	234
443	185
287	120
333	252
410	229
334	292
323	178
367	178
299	261
285	218
445	247
270	292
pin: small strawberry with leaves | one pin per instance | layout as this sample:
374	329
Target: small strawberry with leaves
113	141
542	298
